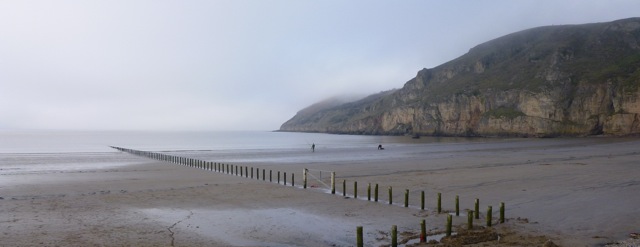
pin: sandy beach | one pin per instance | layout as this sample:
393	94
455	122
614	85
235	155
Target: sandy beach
573	192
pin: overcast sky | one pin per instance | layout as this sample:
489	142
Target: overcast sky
236	65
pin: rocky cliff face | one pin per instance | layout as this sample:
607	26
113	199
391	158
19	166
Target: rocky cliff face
569	80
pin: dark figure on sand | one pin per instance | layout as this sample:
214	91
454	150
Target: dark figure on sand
380	147
313	147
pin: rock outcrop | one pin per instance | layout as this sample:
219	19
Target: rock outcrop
570	80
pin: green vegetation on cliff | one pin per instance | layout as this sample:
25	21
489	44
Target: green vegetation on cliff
554	80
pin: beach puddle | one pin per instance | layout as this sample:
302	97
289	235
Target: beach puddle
59	168
258	227
436	237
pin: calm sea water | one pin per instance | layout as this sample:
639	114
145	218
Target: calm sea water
99	141
27	151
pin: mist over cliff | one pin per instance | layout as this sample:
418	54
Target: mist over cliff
568	80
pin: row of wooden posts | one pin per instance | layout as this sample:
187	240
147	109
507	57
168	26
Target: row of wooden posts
242	171
247	172
423	228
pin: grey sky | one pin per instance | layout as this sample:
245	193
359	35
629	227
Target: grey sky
236	65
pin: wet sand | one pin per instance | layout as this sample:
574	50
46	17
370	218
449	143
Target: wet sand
576	192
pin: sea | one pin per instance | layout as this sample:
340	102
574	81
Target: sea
66	149
49	141
229	146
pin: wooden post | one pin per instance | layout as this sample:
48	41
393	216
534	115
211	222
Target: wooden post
406	198
241	172
333	183
257	173
449	223
390	195
489	216
359	240
457	205
304	178
502	212
369	192
375	194
263	174
278	177
270	175
251	172
246	171
423	231
394	236
285	178
470	220
477	209
439	202
355	189
293	179
422	200
344	187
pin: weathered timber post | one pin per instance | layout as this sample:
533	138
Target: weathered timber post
293	179
355	189
333	183
344	187
304	178
375	193
284	176
263	173
406	198
470	220
489	216
359	240
477	209
394	236
246	171
423	231
422	200
439	202
457	205
502	212
369	192
449	223
278	177
390	195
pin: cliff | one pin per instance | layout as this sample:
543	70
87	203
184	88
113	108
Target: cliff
570	80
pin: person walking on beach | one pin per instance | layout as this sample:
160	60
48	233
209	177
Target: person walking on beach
313	147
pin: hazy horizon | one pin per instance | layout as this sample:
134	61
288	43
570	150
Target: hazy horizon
236	65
